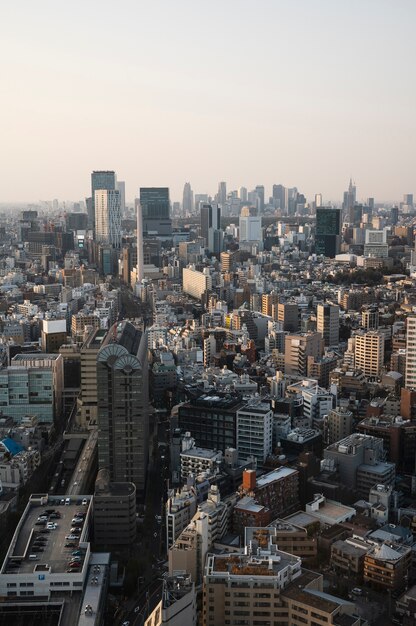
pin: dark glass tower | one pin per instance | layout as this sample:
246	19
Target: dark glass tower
155	205
328	231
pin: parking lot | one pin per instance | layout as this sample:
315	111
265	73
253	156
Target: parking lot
54	553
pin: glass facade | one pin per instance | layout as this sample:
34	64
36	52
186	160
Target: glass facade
328	231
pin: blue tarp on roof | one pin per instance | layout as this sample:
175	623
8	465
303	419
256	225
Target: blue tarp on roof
12	445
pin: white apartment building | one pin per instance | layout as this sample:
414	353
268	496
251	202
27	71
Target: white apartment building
255	431
195	283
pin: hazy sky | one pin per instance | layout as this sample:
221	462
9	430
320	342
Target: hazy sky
298	92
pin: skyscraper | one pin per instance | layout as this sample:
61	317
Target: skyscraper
327	323
369	352
123	411
188	200
108	217
242	194
279	197
350	197
101	179
210	224
155	205
328	231
121	186
222	193
260	193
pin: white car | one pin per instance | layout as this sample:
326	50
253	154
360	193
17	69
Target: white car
51	525
84	502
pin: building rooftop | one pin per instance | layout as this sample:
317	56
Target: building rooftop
265	564
277	474
201	453
54	556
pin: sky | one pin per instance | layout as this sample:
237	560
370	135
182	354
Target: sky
305	93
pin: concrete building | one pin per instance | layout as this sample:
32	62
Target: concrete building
277	490
340	424
329	512
195	283
410	377
249	226
297	350
180	509
54	335
327	323
255	431
198	460
178	606
386	567
87	403
359	460
289	316
32	385
114	511
123	409
369	353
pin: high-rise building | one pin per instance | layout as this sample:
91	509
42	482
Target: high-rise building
155	206
370	318
211	227
242	194
288	314
121	186
105	179
123	410
279	197
410	378
222	193
328	231
260	192
187	200
249	226
327	323
350	197
298	348
108	217
195	283
369	352
255	431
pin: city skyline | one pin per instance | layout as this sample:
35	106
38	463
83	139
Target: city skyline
307	98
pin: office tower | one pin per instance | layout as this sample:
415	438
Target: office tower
318	200
410	378
108	217
242	194
249	225
188	200
297	350
350	197
155	205
260	192
279	197
328	231
123	410
369	353
121	186
408	202
101	180
222	193
140	258
376	243
327	323
288	314
394	215
211	227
